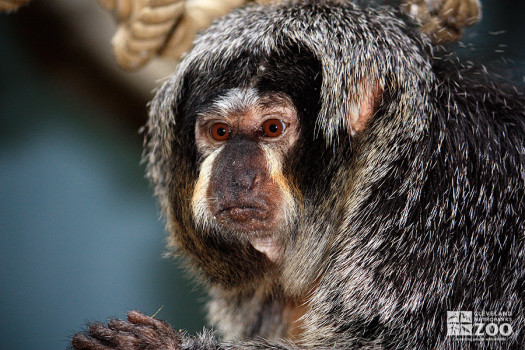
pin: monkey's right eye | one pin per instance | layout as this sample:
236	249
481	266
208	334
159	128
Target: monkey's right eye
220	131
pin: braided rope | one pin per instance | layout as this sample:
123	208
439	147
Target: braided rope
150	28
443	20
144	28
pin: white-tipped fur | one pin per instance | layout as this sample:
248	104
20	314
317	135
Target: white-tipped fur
274	164
201	212
399	206
235	101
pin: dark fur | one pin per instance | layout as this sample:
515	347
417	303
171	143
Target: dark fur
420	213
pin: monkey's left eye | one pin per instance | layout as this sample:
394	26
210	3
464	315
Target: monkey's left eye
220	131
273	127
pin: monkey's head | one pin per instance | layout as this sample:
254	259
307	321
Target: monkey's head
256	144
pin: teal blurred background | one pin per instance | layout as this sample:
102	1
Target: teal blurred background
80	238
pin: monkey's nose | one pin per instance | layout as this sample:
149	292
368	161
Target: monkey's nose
247	180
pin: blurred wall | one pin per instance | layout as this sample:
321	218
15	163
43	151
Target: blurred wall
80	238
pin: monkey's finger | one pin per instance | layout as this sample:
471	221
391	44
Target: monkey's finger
138	330
119	339
137	317
83	342
101	332
121	326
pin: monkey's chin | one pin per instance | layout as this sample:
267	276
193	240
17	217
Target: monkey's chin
264	242
268	246
254	224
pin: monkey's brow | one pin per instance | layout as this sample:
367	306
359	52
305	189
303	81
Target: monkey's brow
234	101
275	100
237	102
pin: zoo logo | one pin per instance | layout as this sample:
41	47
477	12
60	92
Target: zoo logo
461	324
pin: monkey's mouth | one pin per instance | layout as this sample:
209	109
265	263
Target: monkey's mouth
244	213
245	218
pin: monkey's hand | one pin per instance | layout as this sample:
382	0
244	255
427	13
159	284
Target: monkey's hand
138	332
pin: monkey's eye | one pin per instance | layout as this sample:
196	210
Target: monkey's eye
273	127
220	131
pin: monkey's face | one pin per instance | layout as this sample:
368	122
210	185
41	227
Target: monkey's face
243	138
238	167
